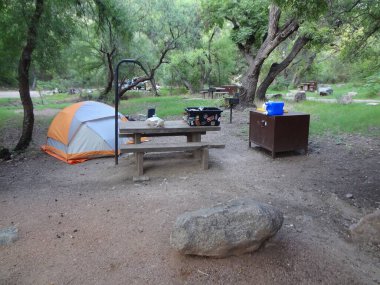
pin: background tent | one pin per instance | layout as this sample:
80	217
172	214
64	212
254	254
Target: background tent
83	131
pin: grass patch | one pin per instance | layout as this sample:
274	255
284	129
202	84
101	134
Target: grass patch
6	116
365	91
337	119
166	106
326	118
277	91
174	91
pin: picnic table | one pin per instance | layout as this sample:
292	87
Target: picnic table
217	91
139	129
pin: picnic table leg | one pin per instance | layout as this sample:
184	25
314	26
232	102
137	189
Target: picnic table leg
195	137
137	140
205	155
139	163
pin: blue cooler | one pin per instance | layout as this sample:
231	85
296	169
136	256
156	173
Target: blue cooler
274	108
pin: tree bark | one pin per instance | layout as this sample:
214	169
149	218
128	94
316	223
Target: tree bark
188	85
274	37
23	78
276	68
249	85
110	77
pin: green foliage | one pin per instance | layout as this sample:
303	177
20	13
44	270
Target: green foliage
193	64
252	17
304	10
339	119
173	91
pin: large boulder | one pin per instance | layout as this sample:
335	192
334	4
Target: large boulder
234	228
367	229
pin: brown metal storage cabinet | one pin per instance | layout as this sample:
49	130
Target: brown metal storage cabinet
279	133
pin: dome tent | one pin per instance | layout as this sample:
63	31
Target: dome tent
82	131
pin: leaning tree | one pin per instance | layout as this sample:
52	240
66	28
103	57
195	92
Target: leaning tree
258	28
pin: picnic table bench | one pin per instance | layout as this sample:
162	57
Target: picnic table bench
138	129
141	149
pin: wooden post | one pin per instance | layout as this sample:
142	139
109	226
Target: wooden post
205	155
139	163
196	137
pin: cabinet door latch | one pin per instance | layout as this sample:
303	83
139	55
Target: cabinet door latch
263	123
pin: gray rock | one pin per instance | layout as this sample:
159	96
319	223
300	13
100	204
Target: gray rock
274	96
300	96
367	229
352	93
234	228
324	91
140	178
349	196
8	235
345	99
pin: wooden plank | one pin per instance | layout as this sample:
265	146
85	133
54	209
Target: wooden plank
160	135
188	146
179	127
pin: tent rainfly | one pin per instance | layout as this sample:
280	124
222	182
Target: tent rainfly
83	131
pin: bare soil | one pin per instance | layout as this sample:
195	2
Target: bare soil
91	224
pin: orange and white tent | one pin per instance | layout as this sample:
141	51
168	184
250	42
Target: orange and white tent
83	131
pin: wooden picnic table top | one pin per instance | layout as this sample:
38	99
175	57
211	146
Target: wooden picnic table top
170	127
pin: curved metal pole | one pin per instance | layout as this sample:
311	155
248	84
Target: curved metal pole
117	102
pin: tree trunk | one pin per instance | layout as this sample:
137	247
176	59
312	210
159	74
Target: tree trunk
110	77
188	85
248	89
154	88
276	68
296	79
23	78
275	36
250	80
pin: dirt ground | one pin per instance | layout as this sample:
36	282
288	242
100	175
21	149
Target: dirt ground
91	224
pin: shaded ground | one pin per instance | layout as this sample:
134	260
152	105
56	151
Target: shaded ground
90	224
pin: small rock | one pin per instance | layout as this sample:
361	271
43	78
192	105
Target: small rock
234	228
367	229
140	178
5	154
324	91
300	96
349	196
274	96
8	235
345	99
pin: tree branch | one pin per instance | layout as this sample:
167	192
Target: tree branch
274	18
276	68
